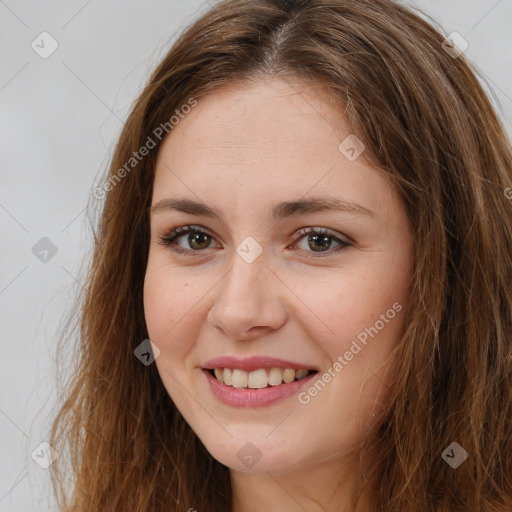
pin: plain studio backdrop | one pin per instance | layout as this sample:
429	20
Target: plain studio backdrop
69	73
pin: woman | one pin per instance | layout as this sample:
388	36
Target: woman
376	375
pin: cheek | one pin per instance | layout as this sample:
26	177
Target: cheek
155	304
346	303
359	316
168	327
164	302
172	309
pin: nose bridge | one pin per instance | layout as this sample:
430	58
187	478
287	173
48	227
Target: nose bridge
246	296
247	274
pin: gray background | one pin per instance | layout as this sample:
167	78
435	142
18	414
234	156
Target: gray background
59	119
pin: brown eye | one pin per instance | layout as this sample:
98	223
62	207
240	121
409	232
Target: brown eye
319	240
197	239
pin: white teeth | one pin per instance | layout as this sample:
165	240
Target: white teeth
258	379
239	379
275	376
228	372
289	375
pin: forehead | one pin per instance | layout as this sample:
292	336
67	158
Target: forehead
240	118
275	139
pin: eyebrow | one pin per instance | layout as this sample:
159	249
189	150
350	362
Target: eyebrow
278	211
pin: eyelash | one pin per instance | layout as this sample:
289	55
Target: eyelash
169	239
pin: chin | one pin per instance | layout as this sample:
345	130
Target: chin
257	455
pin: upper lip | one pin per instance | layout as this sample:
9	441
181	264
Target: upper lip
253	363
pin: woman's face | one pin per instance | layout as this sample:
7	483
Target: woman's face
253	292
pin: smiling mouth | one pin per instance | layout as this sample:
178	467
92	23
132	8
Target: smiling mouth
260	378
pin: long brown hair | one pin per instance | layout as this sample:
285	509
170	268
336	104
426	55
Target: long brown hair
426	120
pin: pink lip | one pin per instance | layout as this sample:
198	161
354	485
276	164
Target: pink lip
245	397
253	363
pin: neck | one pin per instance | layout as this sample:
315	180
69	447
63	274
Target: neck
324	487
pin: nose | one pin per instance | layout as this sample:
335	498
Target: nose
248	301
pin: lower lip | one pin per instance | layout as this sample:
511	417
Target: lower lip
245	397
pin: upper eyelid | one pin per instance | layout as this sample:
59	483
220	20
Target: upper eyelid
193	227
298	234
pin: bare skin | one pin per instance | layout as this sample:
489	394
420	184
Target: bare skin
242	150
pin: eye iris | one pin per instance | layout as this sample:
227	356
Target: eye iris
192	237
325	239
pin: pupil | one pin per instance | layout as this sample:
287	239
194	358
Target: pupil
193	236
326	239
